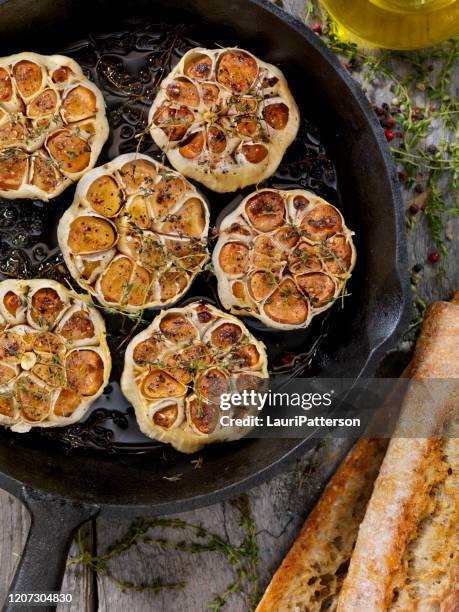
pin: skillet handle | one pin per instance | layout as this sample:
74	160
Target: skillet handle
54	522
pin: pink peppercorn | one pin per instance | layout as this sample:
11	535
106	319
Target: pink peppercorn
389	134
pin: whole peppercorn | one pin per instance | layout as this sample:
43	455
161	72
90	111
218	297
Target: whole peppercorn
434	257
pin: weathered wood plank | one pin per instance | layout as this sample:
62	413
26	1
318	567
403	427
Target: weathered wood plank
14	526
431	285
297	8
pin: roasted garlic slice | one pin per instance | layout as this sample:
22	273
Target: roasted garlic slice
224	118
52	125
54	358
282	257
177	368
136	233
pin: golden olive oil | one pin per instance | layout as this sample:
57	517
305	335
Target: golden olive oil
397	24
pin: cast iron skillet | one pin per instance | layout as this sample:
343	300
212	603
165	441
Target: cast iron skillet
62	490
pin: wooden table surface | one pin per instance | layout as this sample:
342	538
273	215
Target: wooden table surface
278	506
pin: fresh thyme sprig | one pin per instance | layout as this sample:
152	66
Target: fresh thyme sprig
99	564
414	98
243	558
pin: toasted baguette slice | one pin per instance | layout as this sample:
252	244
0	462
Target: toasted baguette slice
312	573
407	553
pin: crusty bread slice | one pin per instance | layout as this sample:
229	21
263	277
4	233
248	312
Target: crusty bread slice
312	573
427	575
412	516
407	547
407	551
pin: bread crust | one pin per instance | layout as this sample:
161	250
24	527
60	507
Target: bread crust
416	489
406	557
320	549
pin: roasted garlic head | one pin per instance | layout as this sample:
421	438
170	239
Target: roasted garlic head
136	233
282	257
224	118
54	359
177	368
52	125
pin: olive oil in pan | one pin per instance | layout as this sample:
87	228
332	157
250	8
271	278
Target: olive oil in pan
128	67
